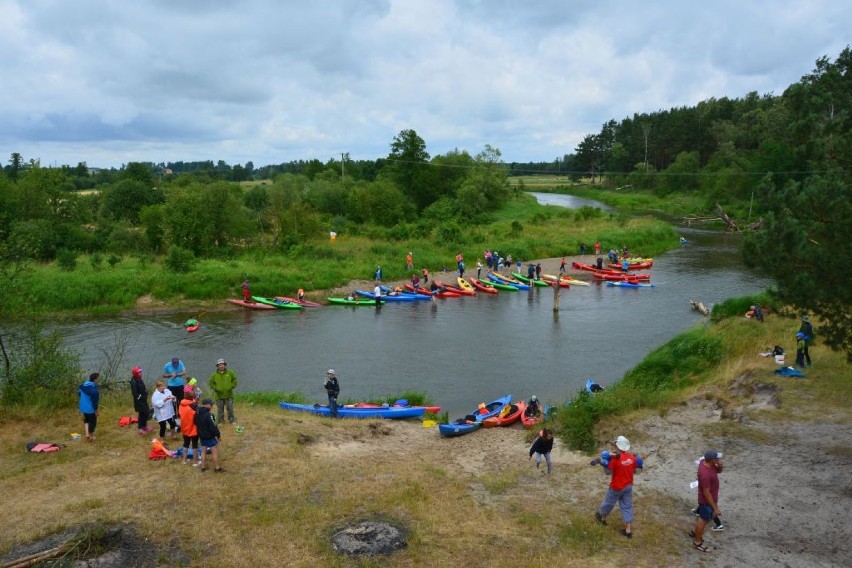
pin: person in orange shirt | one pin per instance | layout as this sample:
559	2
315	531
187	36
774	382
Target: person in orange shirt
300	295
409	261
188	427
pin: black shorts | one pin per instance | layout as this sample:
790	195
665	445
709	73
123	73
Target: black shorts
91	420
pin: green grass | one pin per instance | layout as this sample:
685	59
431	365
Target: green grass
521	228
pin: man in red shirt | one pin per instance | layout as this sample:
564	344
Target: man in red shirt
708	496
622	465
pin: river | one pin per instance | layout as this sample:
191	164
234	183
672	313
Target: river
459	351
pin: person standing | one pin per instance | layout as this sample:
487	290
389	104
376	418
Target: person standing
583	249
174	372
188	409
90	397
597	248
332	389
562	266
246	290
479	270
807	330
378	274
541	447
415	281
208	435
223	381
409	261
377	294
538	271
425	275
300	295
140	399
708	496
164	409
622	464
801	348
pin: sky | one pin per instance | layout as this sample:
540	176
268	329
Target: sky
109	82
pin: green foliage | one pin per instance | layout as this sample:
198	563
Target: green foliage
67	260
271	398
587	212
96	260
449	233
43	373
677	364
517	228
113	260
737	307
179	259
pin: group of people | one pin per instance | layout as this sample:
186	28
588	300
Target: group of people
175	404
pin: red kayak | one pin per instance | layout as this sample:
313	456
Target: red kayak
482	287
589	268
530	421
419	290
621	277
306	303
250	305
633	265
455	289
516	410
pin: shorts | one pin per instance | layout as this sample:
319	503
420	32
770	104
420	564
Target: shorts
705	512
91	420
209	443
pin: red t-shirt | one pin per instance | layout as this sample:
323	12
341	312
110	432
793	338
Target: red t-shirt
707	478
622	468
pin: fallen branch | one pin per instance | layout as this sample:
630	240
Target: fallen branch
699	307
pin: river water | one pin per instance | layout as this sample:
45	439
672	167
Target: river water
459	351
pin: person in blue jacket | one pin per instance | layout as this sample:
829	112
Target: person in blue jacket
89	399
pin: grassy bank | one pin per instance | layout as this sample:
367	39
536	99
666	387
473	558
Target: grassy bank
675	204
708	356
293	479
523	229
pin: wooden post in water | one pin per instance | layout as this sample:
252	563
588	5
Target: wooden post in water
556	293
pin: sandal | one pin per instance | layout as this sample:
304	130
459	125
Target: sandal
699	546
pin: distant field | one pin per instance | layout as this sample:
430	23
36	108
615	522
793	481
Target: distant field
542	181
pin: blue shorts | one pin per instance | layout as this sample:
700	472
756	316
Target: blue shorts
705	512
209	443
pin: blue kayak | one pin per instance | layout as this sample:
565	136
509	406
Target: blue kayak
473	421
395	298
518	285
630	285
390	412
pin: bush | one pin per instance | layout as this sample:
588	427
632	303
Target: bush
113	260
179	259
96	260
67	260
449	233
517	229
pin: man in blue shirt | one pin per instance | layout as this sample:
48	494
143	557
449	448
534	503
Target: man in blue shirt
174	372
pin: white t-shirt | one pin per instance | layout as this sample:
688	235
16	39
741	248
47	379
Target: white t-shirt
378	291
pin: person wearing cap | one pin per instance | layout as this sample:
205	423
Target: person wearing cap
801	349
223	382
708	496
174	372
622	464
209	436
807	330
533	407
332	388
140	399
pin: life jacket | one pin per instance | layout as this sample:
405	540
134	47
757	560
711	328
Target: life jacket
159	451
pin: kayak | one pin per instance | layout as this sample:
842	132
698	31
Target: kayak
395	298
456	289
402	403
529	421
305	303
465	285
612	277
508	280
515	412
277	303
391	412
192	325
632	265
501	284
592	387
564	281
348	302
629	284
473	421
589	268
483	287
250	305
526	280
419	290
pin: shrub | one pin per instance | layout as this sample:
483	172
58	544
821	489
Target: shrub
67	260
179	259
113	260
97	259
517	228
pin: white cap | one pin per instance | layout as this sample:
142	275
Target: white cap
330	372
622	443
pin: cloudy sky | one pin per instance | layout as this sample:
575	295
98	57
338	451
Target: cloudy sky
113	81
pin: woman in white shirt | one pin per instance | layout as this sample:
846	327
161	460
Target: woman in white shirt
164	410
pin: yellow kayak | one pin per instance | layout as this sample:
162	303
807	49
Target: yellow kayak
571	281
465	285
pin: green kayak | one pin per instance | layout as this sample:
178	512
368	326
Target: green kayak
501	286
277	303
347	302
526	280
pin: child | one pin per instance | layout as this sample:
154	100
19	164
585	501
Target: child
800	350
208	435
542	446
164	410
188	410
89	399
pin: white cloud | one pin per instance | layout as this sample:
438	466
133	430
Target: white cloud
272	81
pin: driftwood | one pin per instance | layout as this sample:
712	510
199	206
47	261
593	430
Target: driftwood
699	307
726	219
